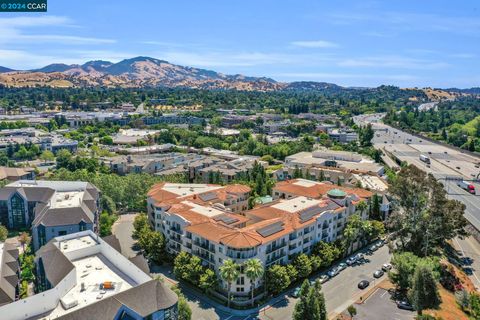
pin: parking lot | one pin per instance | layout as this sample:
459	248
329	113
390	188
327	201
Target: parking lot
380	306
341	290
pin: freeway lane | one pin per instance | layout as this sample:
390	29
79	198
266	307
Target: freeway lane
446	163
339	292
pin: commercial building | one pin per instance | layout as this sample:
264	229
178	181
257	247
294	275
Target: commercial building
331	158
342	135
80	276
45	140
213	223
50	208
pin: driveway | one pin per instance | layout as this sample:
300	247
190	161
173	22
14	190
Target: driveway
379	305
122	229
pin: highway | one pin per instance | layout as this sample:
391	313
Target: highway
448	165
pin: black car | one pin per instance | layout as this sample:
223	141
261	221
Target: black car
363	284
405	305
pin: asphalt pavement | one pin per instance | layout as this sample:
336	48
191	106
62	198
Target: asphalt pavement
340	291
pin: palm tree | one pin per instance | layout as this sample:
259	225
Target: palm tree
253	270
361	206
229	273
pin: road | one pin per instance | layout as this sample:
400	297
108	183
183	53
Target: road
122	229
448	165
468	247
339	292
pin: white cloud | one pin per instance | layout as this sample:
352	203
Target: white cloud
314	44
393	61
16	30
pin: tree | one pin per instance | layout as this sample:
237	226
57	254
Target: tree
155	247
277	279
47	156
311	304
140	224
327	251
3	233
208	280
106	222
180	264
352	311
424	293
24	240
375	208
424	219
303	265
229	273
253	270
301	308
63	158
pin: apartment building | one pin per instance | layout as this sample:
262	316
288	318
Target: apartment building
15	174
213	223
9	273
50	208
45	140
80	276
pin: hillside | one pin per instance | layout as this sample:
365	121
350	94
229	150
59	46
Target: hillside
132	73
3	69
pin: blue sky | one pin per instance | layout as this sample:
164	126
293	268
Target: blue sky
354	43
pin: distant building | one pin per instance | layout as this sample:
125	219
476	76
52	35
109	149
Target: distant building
80	276
332	158
45	140
15	174
50	208
343	136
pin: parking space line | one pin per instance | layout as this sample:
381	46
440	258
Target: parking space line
463	253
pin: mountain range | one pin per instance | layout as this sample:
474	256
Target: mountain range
144	72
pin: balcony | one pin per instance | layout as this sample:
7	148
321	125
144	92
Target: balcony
204	245
292	247
176	230
276	258
276	247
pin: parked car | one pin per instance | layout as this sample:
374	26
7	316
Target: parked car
324	278
296	292
378	274
387	267
363	284
350	261
333	272
360	256
373	248
405	305
342	266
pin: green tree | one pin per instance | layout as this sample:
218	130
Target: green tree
63	158
277	279
300	310
229	272
3	233
184	311
424	292
253	270
155	247
106	222
140	225
311	304
424	219
208	280
352	311
303	265
47	156
180	264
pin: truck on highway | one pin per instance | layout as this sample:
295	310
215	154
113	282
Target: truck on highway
467	186
425	159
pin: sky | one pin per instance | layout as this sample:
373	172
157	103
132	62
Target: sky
408	43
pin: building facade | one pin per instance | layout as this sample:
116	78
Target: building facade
49	208
213	222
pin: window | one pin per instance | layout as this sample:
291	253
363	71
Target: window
241	280
18	211
240	289
62	233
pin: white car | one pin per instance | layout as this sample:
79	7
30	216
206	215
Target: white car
387	267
